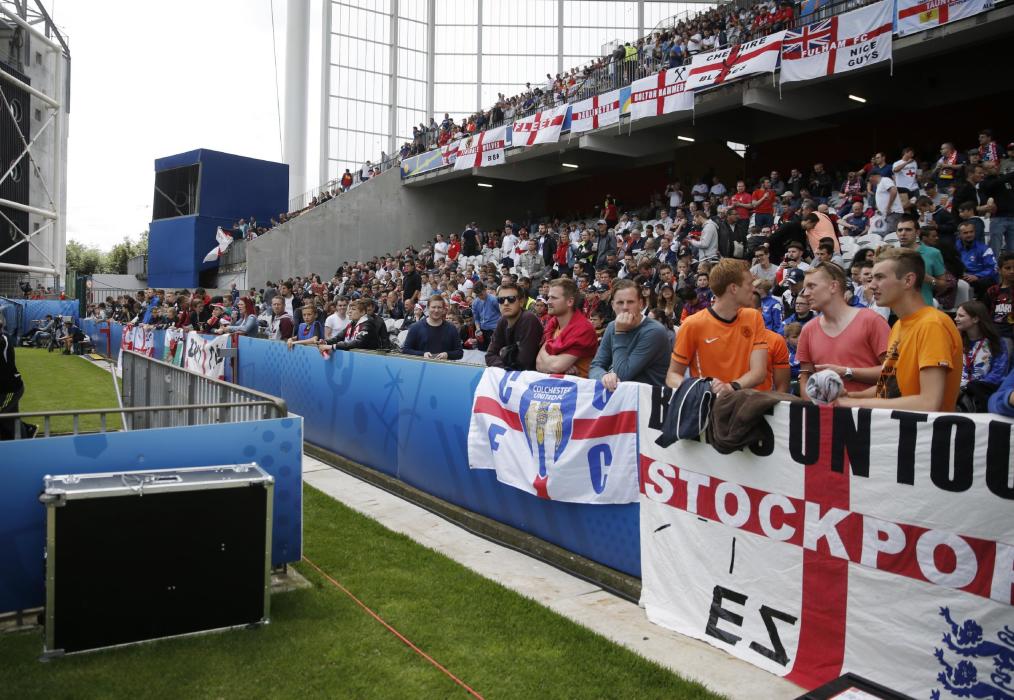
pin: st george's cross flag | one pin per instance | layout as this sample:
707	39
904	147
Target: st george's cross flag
600	110
734	62
482	150
663	93
863	541
558	437
224	241
449	153
917	15
542	127
837	45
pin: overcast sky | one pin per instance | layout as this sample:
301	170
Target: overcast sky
150	79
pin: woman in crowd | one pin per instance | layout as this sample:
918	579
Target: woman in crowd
666	319
245	322
984	363
667	301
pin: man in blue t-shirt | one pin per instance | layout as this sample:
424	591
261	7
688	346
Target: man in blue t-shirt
485	315
434	339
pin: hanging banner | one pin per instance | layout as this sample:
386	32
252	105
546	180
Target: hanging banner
557	437
600	110
204	356
739	61
863	541
915	16
659	94
838	45
449	153
224	240
542	127
482	150
174	343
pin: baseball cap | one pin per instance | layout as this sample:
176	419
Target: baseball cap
602	221
794	276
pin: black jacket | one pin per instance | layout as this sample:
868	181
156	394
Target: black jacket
361	336
526	332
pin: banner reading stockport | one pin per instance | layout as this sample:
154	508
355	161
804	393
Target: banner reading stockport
557	437
659	94
542	127
600	110
205	356
837	45
917	15
482	150
874	542
735	62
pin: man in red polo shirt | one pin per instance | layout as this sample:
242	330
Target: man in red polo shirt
763	200
569	342
742	201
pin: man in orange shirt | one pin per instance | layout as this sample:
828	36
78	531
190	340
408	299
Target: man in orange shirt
922	370
764	204
725	341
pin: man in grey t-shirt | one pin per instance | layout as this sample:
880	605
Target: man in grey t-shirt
634	348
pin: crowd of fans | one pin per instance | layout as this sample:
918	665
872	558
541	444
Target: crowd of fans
896	277
722	26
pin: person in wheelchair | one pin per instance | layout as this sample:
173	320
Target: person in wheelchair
41	334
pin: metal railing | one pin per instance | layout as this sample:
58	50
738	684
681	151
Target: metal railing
193	398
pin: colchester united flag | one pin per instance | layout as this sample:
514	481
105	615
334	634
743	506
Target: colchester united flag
557	437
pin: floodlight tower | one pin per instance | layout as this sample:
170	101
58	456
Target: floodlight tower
297	66
34	109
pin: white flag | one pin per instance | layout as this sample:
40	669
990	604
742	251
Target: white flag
482	150
659	94
600	110
739	61
542	127
224	241
843	43
917	15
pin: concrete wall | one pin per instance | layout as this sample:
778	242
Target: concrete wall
383	216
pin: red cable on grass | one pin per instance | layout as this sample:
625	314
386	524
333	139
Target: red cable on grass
393	631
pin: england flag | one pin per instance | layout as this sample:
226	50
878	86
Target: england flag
482	150
542	127
557	437
224	241
659	94
600	110
739	61
838	45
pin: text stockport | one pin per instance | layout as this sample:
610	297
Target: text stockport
974	565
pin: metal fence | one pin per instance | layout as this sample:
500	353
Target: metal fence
199	400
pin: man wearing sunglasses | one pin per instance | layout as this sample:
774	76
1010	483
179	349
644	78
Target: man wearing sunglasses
518	336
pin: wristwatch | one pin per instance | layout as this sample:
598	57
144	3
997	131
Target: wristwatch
848	373
736	386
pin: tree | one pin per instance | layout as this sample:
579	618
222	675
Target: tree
87	260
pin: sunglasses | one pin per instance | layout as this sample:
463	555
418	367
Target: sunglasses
508	299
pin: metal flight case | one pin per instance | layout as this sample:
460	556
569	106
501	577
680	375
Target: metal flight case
137	556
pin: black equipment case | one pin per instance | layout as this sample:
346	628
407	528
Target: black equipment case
136	556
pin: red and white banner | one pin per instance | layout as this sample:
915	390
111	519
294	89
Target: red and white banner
557	437
138	339
866	541
541	127
224	241
739	61
837	45
482	150
663	93
917	15
449	153
601	110
204	356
